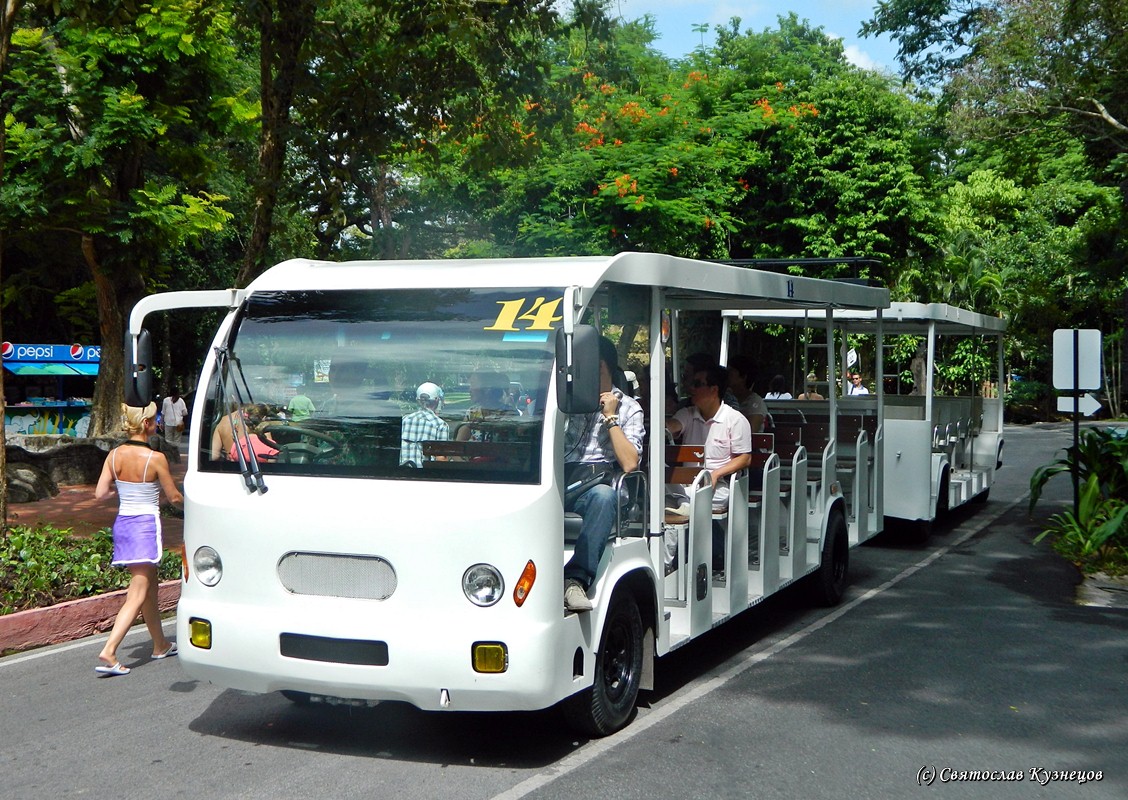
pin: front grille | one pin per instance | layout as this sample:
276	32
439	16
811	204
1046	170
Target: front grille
329	575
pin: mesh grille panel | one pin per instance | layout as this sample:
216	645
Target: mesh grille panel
360	577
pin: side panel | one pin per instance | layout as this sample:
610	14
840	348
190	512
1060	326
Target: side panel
908	469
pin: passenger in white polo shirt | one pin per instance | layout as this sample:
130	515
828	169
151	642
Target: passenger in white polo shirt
726	435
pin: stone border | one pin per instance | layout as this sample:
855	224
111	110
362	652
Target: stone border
74	619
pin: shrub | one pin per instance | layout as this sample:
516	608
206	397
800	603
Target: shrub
1095	536
47	565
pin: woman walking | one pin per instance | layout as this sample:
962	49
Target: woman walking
138	474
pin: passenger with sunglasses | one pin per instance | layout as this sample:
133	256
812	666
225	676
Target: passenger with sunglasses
725	434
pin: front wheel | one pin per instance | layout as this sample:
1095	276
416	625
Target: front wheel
828	583
610	702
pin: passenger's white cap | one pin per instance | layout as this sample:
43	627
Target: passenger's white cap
429	391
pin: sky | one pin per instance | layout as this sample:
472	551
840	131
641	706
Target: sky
674	21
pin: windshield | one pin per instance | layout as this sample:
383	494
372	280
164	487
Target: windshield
442	384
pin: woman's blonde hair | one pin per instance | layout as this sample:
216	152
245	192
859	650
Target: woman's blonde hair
133	417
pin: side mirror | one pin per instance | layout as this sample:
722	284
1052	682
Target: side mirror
577	370
138	369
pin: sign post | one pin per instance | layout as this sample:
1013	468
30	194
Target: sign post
1077	369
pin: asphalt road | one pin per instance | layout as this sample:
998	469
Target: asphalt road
968	654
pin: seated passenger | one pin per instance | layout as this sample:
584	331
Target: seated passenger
856	387
741	377
265	449
223	436
422	425
606	440
812	392
777	389
727	439
487	396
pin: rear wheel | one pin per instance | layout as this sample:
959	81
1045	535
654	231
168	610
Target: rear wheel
610	702
829	581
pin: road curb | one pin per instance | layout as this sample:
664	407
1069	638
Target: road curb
74	619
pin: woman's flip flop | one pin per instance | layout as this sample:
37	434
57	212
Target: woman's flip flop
171	651
116	669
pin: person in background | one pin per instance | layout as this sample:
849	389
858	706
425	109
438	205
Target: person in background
741	377
422	425
812	391
608	438
174	412
488	406
856	387
777	389
138	474
300	407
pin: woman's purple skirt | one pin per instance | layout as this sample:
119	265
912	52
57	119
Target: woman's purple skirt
137	539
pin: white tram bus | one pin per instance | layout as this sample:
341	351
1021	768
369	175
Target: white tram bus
940	448
323	564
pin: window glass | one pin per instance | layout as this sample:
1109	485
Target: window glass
444	384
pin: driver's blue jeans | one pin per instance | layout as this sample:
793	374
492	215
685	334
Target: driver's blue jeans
597	507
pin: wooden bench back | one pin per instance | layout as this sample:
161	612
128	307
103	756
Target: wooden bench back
683	462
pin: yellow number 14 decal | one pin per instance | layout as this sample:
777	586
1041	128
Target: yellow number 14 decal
539	316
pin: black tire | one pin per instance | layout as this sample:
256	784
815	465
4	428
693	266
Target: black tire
919	531
828	583
610	702
943	497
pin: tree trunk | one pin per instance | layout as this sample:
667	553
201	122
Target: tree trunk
105	416
7	21
281	38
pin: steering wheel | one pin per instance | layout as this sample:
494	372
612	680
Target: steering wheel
312	446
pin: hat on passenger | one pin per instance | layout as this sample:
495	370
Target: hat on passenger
429	393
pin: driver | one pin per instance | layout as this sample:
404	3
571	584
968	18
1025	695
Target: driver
422	425
254	414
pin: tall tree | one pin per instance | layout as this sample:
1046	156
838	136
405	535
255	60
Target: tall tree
283	29
7	23
103	135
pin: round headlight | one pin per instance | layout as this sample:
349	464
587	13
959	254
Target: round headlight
482	585
207	566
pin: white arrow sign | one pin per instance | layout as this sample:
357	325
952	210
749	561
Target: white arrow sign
1086	404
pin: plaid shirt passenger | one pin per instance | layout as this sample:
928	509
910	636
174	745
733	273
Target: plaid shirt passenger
423	425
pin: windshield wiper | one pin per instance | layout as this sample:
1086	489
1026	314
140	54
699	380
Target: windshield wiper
229	391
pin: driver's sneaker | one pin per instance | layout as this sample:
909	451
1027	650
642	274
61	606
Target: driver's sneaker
575	598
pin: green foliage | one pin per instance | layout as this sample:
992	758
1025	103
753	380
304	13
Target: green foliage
43	566
1096	536
1027	392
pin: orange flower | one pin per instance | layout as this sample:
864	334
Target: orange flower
674	171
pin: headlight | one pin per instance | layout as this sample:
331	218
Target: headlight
482	585
207	566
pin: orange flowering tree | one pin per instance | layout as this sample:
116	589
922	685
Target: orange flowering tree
767	144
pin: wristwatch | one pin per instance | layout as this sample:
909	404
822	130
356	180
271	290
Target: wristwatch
611	421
